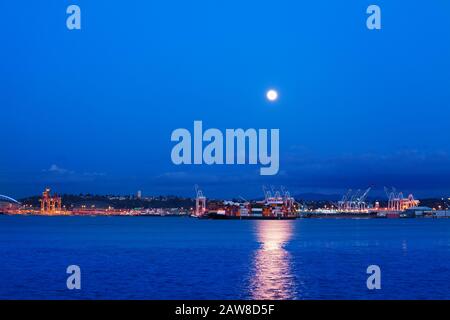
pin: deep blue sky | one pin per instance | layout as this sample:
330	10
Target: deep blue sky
93	110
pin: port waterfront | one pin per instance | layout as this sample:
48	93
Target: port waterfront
276	205
414	212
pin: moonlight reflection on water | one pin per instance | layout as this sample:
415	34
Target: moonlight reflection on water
273	277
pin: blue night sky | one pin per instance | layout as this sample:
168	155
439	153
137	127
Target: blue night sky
92	110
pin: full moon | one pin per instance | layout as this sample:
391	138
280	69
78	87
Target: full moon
272	95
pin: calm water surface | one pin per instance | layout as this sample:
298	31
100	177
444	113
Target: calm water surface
184	258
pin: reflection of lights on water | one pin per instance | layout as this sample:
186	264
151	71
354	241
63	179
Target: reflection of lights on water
404	247
273	278
272	236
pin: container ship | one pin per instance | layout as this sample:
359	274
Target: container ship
275	206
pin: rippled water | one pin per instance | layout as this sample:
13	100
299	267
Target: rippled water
184	258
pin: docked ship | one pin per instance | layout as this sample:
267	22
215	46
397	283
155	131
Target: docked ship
275	206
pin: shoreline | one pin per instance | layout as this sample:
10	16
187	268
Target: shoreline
234	218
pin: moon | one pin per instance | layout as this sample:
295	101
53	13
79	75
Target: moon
272	95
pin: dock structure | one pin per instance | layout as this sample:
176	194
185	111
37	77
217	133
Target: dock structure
200	203
397	202
50	204
353	202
